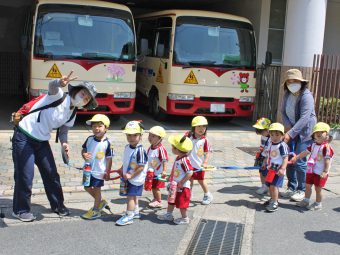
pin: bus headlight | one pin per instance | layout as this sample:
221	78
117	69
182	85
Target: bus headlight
124	95
246	99
38	92
183	97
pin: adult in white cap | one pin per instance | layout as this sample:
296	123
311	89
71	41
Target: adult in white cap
31	143
299	118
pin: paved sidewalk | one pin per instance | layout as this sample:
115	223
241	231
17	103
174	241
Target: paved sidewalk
233	190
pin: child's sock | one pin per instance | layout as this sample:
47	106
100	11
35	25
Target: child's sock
318	203
136	209
306	199
130	214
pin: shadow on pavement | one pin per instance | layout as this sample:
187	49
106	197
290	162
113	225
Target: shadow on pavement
337	209
324	236
239	189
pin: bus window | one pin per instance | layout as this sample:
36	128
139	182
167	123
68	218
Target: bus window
163	43
146	37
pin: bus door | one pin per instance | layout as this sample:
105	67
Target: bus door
154	69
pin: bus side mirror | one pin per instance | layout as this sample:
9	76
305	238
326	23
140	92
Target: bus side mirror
268	60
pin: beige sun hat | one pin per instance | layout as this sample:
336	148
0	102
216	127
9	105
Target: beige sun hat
293	74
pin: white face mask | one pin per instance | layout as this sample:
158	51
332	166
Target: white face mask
294	87
78	101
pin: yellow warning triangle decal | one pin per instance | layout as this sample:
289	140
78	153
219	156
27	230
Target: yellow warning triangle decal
54	72
159	77
191	79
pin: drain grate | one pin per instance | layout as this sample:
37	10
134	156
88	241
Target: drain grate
216	237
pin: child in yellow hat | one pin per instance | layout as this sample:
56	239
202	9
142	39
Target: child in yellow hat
97	152
318	165
262	128
181	173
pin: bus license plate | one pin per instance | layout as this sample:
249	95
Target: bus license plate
217	108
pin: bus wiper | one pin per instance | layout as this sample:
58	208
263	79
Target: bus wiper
48	56
198	63
97	56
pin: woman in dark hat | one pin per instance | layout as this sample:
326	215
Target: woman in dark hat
31	144
299	118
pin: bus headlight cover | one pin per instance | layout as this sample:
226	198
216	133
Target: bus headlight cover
124	95
183	97
246	99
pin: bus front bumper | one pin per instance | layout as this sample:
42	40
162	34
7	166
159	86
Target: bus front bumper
231	108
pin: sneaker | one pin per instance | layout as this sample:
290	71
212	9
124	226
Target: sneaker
272	207
102	204
91	214
124	220
137	215
166	216
207	199
314	207
298	196
287	193
182	221
25	217
62	211
261	191
303	203
155	204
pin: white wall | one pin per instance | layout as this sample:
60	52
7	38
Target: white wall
331	44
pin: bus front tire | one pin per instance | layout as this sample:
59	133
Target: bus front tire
155	109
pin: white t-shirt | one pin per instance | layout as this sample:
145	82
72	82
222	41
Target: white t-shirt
264	143
276	152
181	167
156	158
132	159
100	150
320	152
50	118
200	148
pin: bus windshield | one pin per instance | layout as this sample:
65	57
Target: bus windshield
214	42
84	32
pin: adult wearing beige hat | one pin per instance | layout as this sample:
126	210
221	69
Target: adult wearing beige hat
299	118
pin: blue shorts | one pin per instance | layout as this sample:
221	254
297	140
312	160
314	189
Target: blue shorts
94	182
277	181
263	172
133	190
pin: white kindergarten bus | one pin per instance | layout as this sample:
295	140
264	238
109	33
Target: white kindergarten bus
196	63
96	39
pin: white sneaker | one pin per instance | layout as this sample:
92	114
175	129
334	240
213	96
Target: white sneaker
288	193
298	196
263	190
182	221
303	204
207	199
167	216
314	207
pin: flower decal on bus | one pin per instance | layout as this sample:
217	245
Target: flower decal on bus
244	77
115	73
235	79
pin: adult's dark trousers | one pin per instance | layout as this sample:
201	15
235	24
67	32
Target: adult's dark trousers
26	153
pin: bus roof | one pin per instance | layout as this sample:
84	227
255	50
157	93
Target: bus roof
199	13
87	2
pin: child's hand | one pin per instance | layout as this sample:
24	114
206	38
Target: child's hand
107	176
163	175
323	175
204	165
264	166
180	185
87	156
127	176
293	159
281	172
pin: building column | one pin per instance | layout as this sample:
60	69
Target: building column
304	31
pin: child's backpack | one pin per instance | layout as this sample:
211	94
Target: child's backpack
26	108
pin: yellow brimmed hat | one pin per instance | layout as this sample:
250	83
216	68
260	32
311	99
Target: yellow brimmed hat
99	118
262	123
181	143
277	127
158	130
321	127
199	121
133	127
